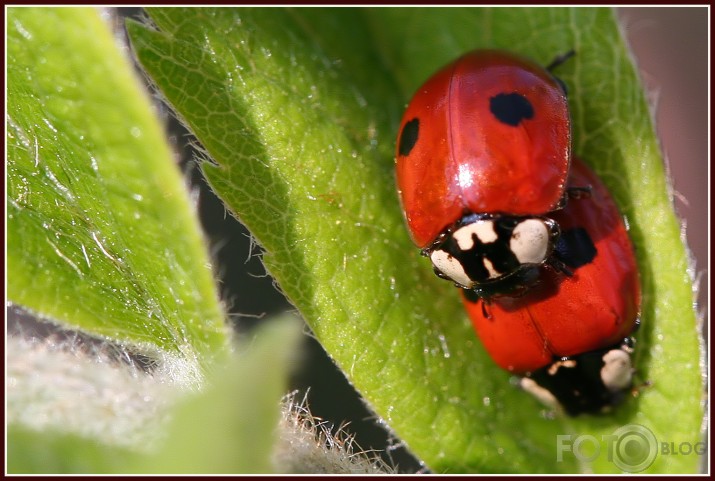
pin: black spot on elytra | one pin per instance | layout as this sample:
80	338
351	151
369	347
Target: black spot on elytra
511	108
408	137
575	248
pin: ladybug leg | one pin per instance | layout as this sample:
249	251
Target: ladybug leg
560	266
576	193
581	192
639	388
559	59
473	297
485	310
628	345
636	326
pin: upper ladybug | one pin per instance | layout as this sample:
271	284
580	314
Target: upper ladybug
483	152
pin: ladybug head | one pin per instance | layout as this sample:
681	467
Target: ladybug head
493	254
588	383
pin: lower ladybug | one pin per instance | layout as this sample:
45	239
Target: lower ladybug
569	334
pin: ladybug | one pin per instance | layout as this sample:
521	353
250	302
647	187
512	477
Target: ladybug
483	153
569	335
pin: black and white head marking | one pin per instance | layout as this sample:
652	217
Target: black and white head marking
486	249
588	383
542	394
617	370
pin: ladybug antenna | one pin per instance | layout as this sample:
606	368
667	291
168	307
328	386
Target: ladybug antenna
557	62
560	59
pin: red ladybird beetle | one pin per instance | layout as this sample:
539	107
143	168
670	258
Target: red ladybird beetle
570	334
483	153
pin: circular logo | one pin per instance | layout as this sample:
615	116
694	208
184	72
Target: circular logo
635	448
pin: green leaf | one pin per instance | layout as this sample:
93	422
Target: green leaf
231	427
52	452
101	233
299	110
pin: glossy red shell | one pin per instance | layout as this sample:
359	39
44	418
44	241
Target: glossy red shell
566	316
465	159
